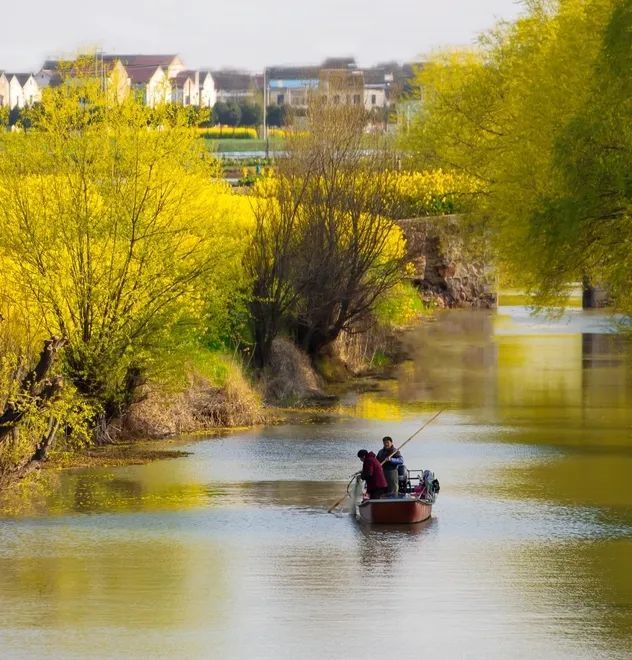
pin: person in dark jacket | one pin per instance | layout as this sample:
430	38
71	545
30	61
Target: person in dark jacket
392	462
373	474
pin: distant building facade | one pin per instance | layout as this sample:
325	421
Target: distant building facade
336	81
163	78
18	90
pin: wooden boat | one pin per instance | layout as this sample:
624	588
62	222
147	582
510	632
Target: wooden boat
413	504
404	510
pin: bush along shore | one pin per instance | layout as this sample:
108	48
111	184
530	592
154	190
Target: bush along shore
143	298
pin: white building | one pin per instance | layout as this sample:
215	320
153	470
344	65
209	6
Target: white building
18	90
208	93
186	88
4	90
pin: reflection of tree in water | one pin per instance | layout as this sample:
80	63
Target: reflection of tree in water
97	491
90	494
142	583
452	360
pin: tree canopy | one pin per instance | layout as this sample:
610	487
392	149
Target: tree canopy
116	236
540	113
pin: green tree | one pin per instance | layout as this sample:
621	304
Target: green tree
220	110
251	114
590	216
512	113
233	113
278	115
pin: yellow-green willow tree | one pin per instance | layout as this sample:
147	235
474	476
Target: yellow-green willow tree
540	113
114	236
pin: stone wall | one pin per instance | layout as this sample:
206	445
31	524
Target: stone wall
449	256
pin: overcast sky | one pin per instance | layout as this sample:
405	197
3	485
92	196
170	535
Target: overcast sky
243	33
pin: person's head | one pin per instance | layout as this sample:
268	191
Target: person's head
362	454
387	442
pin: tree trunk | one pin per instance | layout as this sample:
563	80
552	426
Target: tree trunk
35	386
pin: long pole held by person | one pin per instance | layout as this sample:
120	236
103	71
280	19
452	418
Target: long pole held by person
417	432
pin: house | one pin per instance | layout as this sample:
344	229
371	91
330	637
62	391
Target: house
22	88
338	80
186	88
376	81
208	93
4	90
233	85
291	85
344	86
152	76
107	67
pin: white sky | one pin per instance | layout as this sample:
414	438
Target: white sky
242	33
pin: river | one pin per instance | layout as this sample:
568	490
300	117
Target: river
229	552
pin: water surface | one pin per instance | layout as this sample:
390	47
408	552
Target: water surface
230	553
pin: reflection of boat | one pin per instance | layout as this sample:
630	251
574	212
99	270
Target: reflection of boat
395	510
412	506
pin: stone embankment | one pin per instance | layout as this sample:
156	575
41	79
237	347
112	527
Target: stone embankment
451	261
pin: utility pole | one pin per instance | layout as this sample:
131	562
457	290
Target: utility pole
265	110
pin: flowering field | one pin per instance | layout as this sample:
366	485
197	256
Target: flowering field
430	192
411	194
228	132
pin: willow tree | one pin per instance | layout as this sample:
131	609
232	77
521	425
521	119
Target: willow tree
325	249
510	112
111	236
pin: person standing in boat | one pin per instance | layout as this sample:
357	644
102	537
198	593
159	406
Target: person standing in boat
373	474
392	462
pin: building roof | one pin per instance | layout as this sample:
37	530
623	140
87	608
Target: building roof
233	81
143	60
183	76
374	76
293	73
140	68
22	77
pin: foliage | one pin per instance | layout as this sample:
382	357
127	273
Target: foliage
228	113
279	115
115	237
251	114
324	250
399	307
540	116
4	116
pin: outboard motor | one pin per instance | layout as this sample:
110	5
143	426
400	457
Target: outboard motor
431	485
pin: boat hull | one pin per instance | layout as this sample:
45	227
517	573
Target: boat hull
395	511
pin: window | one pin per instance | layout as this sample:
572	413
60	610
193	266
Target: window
356	99
373	99
280	99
